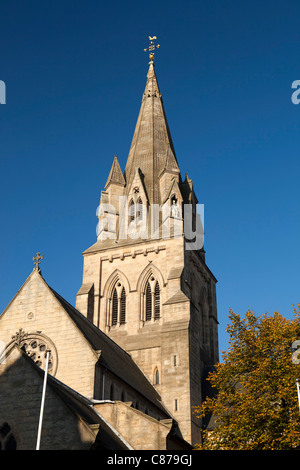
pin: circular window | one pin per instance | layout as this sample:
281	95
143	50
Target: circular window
37	346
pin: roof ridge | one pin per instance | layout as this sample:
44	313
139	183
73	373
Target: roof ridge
90	324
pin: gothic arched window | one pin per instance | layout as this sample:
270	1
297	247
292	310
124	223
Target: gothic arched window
135	210
156	377
152	300
175	207
114	308
156	301
7	439
131	210
139	209
123	307
118	305
148	302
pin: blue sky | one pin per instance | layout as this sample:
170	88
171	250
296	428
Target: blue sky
75	72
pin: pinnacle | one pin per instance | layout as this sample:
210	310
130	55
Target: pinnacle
115	174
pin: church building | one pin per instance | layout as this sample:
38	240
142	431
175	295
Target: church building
128	362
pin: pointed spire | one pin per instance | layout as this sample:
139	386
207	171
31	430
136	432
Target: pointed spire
115	174
151	146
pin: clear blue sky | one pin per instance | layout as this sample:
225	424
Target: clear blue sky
75	72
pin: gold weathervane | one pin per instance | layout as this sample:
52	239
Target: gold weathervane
152	47
37	259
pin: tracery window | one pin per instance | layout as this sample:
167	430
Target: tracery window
135	210
37	350
7	439
36	346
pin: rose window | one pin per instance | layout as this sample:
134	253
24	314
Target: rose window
36	346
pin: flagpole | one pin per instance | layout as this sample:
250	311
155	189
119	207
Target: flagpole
298	391
42	404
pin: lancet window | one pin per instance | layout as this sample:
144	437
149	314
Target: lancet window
156	376
118	305
139	209
131	210
135	210
151	300
7	439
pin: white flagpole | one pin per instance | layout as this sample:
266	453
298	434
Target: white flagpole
42	404
298	391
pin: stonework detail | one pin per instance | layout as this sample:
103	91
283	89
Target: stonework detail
36	346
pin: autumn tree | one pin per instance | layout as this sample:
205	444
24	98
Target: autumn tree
256	404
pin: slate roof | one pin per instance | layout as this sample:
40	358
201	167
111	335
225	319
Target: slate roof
109	438
116	359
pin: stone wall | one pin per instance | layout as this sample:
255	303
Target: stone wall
20	402
35	309
142	432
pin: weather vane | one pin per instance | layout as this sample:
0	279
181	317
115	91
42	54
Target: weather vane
152	47
37	259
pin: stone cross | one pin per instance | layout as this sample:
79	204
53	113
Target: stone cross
37	259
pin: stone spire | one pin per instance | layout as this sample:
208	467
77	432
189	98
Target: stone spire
151	147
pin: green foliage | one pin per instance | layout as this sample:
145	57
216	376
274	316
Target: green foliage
256	404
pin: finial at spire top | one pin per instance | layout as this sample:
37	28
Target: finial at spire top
151	48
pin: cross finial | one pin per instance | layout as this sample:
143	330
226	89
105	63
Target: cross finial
37	259
152	47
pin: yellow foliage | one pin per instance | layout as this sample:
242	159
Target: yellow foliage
256	405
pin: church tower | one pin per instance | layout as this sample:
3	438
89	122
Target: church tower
144	284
